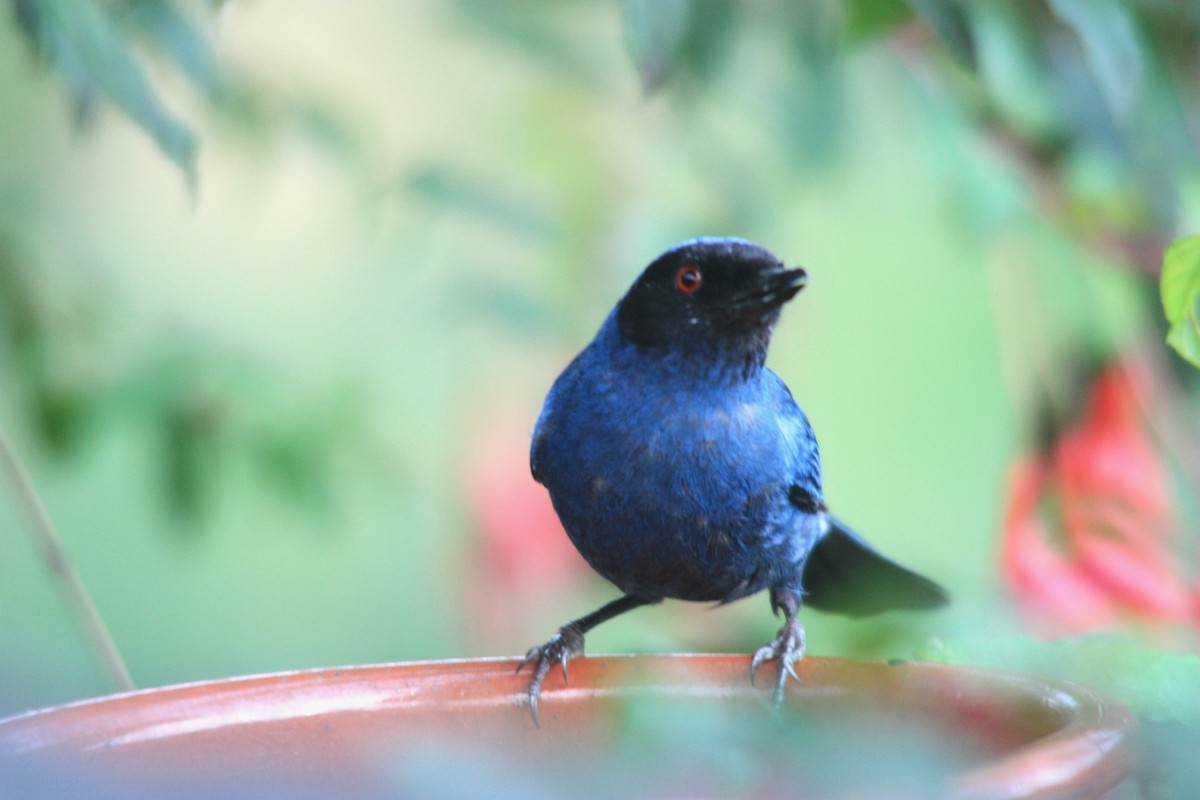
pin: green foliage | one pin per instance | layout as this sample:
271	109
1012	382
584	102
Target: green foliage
1008	55
1155	684
867	20
949	22
48	346
92	47
1180	288
1114	52
447	189
900	145
655	30
1161	687
211	416
173	34
713	747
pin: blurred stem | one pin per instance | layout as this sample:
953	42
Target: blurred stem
47	540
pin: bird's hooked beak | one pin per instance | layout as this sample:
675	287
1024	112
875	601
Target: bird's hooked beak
772	291
783	286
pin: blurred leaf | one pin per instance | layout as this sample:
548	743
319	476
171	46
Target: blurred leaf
443	186
710	30
1167	765
296	465
1159	130
1155	684
1102	192
815	28
667	746
809	107
50	44
208	411
22	327
262	112
248	108
1111	46
871	19
534	28
813	119
46	338
1005	48
949	22
62	415
654	32
258	110
177	38
512	306
192	432
332	132
1161	687
85	46
1180	290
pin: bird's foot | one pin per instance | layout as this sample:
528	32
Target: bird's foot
788	648
561	648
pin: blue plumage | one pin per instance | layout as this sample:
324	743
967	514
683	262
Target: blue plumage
681	466
671	486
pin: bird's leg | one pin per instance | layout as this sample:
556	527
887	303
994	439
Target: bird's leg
787	646
568	643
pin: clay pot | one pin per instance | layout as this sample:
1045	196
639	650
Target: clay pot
646	726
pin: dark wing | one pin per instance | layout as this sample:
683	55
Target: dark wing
846	575
534	458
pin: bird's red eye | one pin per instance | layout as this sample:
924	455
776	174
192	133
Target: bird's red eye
688	279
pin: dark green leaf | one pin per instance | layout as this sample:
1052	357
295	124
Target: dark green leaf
29	19
297	467
1111	46
61	415
21	325
710	30
192	439
948	21
1006	52
654	31
1180	289
867	20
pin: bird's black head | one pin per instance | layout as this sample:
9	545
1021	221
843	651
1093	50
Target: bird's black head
717	298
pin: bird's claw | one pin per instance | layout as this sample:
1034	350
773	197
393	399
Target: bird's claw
561	647
788	648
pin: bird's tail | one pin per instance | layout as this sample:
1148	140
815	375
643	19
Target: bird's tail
846	575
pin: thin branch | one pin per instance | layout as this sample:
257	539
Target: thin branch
59	566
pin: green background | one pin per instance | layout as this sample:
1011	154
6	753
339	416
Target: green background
405	219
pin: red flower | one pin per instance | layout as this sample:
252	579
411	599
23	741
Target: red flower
521	560
1116	554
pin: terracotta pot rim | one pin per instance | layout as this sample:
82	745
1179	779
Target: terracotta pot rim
988	673
1075	724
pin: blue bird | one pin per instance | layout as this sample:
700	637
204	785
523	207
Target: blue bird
681	467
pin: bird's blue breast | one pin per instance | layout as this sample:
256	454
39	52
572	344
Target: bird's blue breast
674	485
